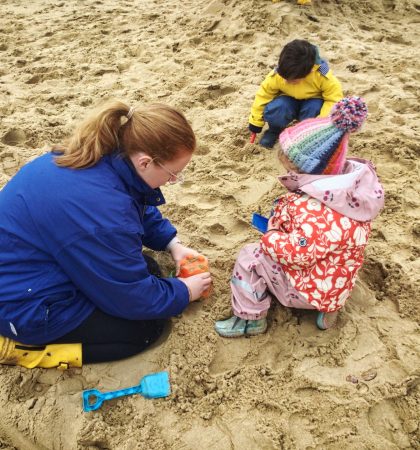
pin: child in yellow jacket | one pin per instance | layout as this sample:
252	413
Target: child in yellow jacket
302	86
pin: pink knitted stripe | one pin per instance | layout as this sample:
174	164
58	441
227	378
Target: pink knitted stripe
299	131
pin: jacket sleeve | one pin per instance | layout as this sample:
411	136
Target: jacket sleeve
109	268
302	248
158	232
267	91
331	93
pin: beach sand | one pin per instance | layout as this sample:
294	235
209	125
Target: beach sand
288	388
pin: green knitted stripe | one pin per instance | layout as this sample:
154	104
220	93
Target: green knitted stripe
307	144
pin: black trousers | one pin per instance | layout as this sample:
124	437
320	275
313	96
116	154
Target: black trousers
109	338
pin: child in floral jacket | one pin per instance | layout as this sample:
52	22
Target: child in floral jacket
313	249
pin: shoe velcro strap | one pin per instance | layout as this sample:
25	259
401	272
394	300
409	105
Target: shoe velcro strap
237	320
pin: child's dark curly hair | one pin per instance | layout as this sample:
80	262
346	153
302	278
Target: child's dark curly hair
296	59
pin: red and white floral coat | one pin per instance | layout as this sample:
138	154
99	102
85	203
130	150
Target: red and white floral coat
317	234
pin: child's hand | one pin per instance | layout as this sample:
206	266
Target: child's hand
272	223
197	284
254	128
179	252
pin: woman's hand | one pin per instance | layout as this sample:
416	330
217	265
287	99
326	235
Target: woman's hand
197	284
179	252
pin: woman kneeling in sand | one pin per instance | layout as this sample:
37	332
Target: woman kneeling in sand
313	249
75	284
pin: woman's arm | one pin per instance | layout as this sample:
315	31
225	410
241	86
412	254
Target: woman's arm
109	268
158	231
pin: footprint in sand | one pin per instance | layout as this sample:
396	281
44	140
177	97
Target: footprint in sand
9	163
389	5
225	230
35	79
232	353
398	120
299	428
386	424
272	349
202	150
252	192
15	136
214	8
200	201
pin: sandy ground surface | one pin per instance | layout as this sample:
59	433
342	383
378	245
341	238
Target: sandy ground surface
287	388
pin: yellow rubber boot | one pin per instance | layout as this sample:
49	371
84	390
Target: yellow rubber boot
61	356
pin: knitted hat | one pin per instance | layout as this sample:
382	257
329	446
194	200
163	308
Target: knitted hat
319	146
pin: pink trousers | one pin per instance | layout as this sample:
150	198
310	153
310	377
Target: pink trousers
256	278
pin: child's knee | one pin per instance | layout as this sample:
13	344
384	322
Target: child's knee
280	111
310	108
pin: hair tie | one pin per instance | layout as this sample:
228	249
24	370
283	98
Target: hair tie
130	112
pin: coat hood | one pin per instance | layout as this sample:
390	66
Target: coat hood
355	193
137	187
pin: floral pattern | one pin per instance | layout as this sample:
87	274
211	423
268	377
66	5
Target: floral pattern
319	249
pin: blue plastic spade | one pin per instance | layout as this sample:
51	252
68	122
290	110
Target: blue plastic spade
154	385
259	222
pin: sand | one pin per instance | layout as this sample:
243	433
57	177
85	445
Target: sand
288	388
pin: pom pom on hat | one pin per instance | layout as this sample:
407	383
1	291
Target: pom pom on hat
319	146
349	114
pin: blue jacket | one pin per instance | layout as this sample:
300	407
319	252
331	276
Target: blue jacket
71	241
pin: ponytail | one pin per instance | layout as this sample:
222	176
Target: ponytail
158	130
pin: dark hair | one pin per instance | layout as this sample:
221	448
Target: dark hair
296	59
158	130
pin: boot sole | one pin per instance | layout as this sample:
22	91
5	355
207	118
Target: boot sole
251	333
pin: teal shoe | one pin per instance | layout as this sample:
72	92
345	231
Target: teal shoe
324	321
236	327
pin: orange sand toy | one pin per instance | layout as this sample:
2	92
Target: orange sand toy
193	265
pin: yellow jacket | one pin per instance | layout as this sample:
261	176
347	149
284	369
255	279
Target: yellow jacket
314	85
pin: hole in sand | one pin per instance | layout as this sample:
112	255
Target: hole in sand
14	137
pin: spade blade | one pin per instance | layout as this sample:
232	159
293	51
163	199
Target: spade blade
259	222
155	385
